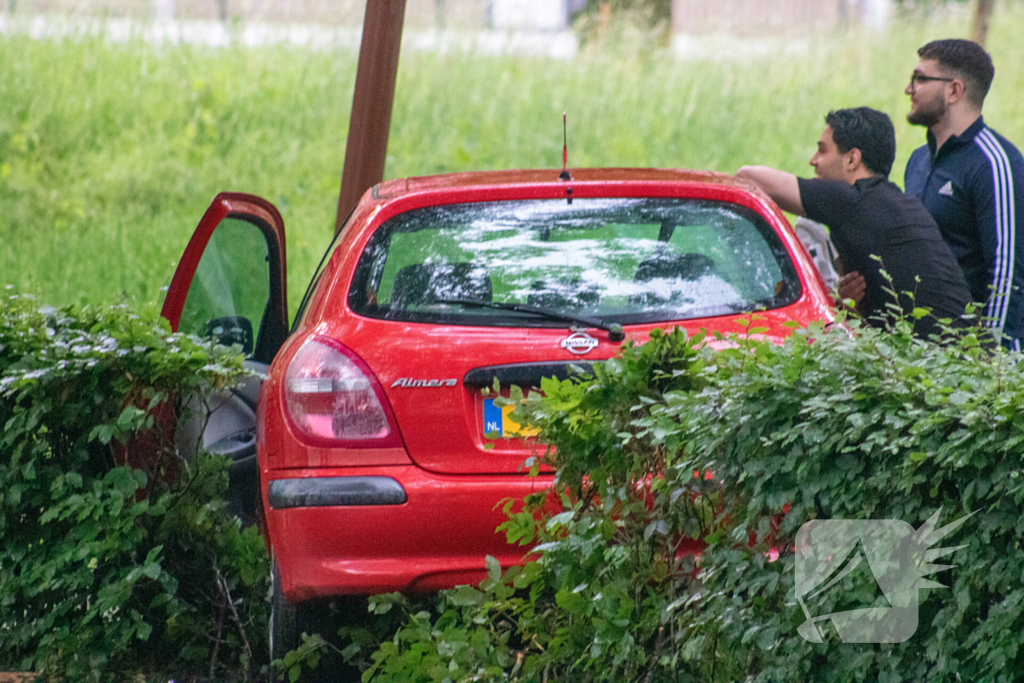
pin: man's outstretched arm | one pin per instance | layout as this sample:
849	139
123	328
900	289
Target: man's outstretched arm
779	185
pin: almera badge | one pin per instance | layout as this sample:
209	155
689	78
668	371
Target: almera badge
579	343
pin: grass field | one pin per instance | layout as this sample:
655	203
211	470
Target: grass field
109	154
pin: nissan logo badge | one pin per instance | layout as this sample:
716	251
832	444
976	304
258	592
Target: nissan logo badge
579	343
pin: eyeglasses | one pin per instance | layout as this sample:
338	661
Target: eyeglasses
917	79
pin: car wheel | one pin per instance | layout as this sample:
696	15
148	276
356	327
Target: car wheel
289	620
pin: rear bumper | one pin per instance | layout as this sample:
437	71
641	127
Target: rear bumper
349	531
334	491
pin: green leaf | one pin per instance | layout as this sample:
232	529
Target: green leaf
103	433
493	568
465	596
572	602
561	519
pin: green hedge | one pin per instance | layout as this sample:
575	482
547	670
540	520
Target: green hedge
872	426
835	423
119	562
109	571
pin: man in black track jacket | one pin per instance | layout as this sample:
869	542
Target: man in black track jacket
970	178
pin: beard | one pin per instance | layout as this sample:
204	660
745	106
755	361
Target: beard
928	113
833	171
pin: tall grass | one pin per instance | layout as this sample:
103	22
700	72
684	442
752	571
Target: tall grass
109	154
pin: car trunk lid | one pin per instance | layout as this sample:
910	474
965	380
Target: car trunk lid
442	396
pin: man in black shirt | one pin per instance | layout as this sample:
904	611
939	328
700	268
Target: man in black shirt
873	225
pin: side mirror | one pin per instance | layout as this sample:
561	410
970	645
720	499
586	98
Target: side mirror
233	329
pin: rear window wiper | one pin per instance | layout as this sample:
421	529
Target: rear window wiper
614	330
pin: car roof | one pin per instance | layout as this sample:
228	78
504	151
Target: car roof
396	188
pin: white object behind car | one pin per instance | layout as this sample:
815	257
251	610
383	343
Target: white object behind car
814	237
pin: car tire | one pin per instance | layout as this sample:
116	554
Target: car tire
289	620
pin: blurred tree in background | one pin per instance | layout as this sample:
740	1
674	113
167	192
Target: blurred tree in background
658	10
980	18
595	18
979	25
596	15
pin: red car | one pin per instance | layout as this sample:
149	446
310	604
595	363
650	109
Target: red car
379	460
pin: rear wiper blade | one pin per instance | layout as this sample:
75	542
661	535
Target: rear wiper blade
614	330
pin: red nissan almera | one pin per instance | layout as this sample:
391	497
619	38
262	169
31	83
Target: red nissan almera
378	459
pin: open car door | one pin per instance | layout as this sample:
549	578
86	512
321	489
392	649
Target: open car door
230	286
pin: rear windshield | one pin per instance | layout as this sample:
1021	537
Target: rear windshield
619	260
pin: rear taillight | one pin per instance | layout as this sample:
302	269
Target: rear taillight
334	399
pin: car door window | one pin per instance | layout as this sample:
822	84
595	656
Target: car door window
229	285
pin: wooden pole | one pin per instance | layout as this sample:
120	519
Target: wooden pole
982	18
370	123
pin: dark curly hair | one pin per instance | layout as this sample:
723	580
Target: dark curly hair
868	130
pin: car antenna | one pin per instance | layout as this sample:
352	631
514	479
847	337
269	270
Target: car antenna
564	175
